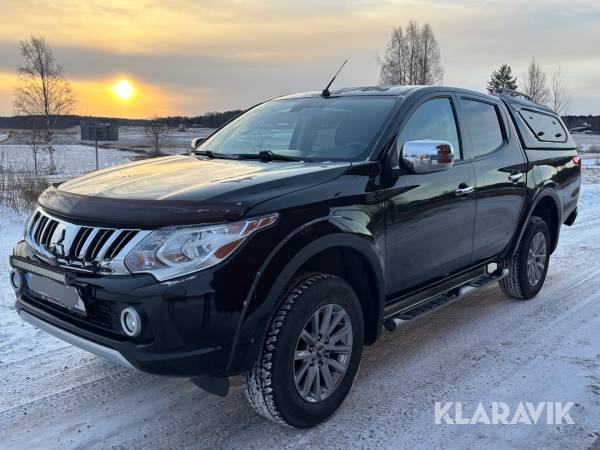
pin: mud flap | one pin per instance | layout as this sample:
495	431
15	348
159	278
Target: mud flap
213	385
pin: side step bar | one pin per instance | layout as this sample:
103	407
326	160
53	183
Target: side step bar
440	301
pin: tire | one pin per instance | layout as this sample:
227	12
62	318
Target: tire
519	283
271	386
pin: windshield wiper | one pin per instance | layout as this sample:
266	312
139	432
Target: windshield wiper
268	155
212	154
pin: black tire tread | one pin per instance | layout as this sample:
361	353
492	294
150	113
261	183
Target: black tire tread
511	284
258	380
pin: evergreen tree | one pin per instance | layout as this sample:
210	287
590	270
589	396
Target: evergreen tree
502	78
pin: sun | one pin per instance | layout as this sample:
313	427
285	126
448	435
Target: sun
123	89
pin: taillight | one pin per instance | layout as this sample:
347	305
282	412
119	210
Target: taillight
577	161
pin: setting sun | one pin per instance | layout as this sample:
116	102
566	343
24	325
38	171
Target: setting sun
123	89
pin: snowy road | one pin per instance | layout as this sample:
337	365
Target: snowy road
483	348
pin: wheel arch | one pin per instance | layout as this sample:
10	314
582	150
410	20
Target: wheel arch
547	205
323	246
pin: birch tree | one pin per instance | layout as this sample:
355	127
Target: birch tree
535	83
42	90
559	93
412	57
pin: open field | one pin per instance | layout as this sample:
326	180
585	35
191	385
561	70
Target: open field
130	137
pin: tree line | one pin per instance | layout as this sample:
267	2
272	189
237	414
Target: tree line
208	120
579	120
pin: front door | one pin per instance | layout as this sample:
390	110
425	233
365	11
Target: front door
429	221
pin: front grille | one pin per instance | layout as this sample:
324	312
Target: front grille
78	246
102	315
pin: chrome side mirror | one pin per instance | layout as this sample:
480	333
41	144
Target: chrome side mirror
196	142
427	156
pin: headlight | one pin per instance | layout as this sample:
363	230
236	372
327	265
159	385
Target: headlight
172	252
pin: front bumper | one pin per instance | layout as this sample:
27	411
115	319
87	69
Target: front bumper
104	352
187	329
202	361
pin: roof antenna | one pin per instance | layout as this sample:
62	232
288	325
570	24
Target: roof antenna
325	92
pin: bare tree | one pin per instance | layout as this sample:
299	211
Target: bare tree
156	135
33	138
559	94
412	57
535	83
42	89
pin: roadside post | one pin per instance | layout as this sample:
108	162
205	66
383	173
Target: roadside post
96	146
99	132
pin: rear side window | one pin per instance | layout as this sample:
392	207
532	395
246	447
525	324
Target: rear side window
483	125
545	127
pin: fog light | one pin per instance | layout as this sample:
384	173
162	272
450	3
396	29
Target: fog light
131	322
16	279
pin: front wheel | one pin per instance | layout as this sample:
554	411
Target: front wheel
529	265
311	353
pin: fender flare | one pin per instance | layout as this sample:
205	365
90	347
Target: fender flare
269	305
548	191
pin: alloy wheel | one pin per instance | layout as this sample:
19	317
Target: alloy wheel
536	258
322	353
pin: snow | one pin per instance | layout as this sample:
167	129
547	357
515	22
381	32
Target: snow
179	140
483	348
70	160
130	138
587	142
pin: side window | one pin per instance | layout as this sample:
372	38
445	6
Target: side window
545	127
483	125
435	120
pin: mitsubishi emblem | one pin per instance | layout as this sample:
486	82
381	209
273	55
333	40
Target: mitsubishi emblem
56	246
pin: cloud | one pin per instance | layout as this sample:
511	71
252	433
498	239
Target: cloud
216	55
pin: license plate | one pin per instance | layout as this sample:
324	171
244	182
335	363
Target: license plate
55	292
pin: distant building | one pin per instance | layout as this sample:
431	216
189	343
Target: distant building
101	132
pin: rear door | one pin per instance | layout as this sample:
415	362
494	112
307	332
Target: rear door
500	173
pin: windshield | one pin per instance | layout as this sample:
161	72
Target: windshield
313	129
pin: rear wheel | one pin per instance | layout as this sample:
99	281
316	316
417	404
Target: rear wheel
529	265
311	354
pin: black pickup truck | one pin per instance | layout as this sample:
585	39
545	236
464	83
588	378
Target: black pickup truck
288	238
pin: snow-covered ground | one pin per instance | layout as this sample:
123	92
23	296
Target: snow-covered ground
483	348
70	160
587	142
130	137
179	141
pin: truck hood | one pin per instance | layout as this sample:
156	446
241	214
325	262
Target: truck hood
176	190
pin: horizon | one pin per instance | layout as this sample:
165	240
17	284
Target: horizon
177	58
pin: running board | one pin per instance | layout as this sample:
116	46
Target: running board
438	302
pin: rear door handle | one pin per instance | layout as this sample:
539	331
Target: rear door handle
461	192
515	177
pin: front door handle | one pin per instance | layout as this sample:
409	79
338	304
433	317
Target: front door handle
461	192
515	177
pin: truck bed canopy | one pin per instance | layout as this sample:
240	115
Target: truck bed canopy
538	126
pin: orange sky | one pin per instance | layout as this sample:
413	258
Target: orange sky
190	57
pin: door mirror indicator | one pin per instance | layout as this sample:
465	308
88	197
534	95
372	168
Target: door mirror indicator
426	156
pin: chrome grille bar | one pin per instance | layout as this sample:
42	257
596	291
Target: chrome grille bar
81	247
